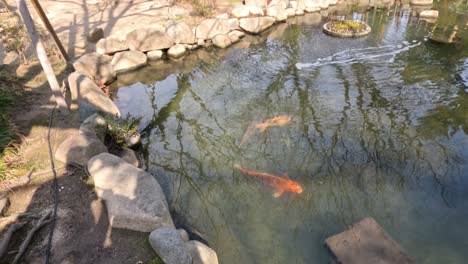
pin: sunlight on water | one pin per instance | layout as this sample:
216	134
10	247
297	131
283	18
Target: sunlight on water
378	127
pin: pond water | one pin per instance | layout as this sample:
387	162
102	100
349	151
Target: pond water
379	128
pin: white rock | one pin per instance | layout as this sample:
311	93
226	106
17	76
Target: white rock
233	37
221	41
421	2
301	5
233	24
429	14
95	124
201	253
176	51
257	3
167	242
312	5
299	12
209	28
78	149
290	12
200	42
293	5
154	55
256	11
83	89
240	11
277	12
180	32
282	3
111	45
223	16
256	25
324	4
146	39
128	60
133	197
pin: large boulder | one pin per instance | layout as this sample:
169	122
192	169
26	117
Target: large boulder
146	39
312	5
256	11
128	60
222	41
257	3
129	155
209	28
176	51
240	11
290	12
180	32
201	253
277	12
233	24
167	242
256	25
96	66
282	3
301	5
83	89
133	197
79	149
95	124
111	45
421	2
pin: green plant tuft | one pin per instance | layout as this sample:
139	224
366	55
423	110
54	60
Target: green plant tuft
119	130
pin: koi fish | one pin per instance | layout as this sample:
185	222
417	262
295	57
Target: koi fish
275	121
280	184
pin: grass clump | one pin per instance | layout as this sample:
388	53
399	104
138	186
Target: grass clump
120	130
13	34
7	133
347	26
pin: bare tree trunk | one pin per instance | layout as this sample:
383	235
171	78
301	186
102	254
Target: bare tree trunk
42	55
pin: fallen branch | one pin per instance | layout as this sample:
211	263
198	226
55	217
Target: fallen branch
7	220
7	237
42	222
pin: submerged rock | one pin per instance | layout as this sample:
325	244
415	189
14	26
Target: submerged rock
79	149
111	45
133	197
95	124
128	60
201	253
167	242
95	66
209	28
256	25
145	39
83	89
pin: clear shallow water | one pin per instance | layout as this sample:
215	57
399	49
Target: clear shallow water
381	136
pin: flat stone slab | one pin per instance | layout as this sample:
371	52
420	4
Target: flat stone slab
133	197
366	242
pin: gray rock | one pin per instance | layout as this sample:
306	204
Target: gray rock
429	14
240	11
421	2
111	45
129	155
201	253
222	41
256	25
83	89
233	24
166	241
181	33
281	3
257	3
209	28
95	35
128	60
366	242
145	39
183	234
95	124
277	12
133	197
95	66
154	55
78	149
176	51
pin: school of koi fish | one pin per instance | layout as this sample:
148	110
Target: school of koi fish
280	184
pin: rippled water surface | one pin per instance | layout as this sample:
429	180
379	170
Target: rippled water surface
379	128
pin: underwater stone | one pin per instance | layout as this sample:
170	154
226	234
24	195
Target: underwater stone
133	197
366	242
167	242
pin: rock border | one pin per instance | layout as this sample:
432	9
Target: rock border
347	35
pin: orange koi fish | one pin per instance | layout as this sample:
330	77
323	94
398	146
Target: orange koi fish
280	184
275	121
